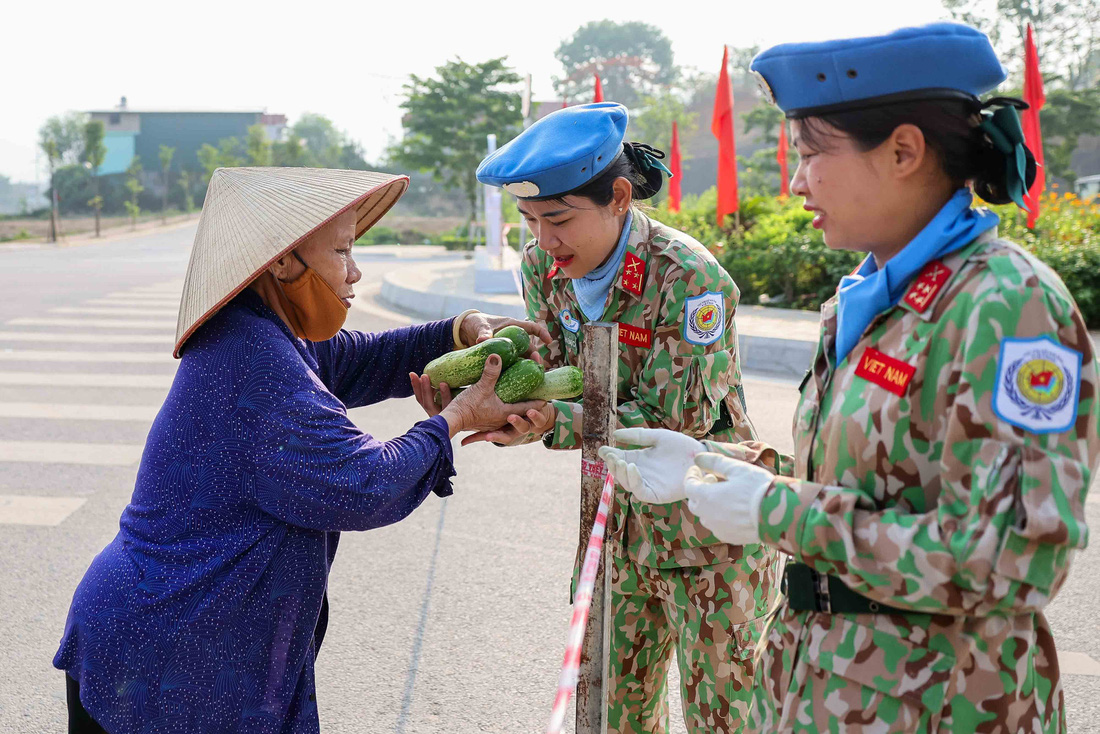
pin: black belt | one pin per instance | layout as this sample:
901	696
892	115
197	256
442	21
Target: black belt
810	591
724	422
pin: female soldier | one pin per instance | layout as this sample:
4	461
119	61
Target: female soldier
947	430
206	611
597	257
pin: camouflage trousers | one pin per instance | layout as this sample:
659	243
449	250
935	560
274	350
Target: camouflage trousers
696	612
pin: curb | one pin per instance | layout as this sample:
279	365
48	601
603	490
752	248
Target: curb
440	305
781	357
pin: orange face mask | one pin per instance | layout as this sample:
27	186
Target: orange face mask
314	310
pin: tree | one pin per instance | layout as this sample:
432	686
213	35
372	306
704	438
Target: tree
290	152
133	185
165	156
50	147
633	59
1067	34
322	141
447	119
1066	116
94	153
185	186
257	147
224	156
67	132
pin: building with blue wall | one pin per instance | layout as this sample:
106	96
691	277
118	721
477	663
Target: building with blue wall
134	132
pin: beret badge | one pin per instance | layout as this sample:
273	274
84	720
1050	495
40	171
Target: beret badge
765	88
522	189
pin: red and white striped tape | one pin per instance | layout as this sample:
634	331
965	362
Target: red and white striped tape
582	601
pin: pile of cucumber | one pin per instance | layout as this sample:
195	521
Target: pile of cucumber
521	379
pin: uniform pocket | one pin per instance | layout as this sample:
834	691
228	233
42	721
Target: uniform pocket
853	675
1048	520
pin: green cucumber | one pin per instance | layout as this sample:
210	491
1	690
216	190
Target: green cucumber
562	383
518	337
519	380
464	367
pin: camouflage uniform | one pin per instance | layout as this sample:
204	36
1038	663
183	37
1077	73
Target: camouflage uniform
931	493
673	583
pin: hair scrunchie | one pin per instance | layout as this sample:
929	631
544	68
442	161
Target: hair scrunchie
1002	131
646	160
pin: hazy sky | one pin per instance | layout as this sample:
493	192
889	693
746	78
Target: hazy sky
346	60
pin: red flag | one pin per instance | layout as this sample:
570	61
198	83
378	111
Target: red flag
721	125
674	166
598	96
1033	134
781	156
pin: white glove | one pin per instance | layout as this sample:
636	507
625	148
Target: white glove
654	474
725	495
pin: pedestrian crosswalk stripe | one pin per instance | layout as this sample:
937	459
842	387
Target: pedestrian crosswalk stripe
156	289
143	297
1078	663
72	411
85	379
18	509
63	452
112	356
130	302
104	311
95	323
82	338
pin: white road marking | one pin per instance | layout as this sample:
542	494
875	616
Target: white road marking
95	323
63	452
80	379
71	411
1078	663
101	311
82	338
16	509
159	302
40	355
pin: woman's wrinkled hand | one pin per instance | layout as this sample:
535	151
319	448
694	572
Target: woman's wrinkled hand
519	428
477	327
478	408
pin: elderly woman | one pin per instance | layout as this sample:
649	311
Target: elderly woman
206	611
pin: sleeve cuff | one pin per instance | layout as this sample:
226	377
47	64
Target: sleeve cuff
437	427
783	512
564	433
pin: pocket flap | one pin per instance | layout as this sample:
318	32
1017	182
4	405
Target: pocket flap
879	660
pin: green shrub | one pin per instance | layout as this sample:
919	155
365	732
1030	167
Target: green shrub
379	236
777	254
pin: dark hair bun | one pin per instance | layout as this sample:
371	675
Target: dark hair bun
991	179
649	178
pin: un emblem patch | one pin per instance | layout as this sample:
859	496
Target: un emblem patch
1038	381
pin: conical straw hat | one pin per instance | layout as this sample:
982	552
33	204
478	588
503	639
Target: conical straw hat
254	216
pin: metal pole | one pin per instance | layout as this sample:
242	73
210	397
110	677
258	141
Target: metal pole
601	379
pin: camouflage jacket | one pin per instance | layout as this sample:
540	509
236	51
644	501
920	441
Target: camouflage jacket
677	365
942	467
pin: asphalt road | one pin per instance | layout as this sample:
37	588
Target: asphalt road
453	620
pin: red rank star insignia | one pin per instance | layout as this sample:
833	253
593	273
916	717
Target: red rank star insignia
927	285
633	271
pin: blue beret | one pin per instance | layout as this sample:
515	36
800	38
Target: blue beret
935	61
559	153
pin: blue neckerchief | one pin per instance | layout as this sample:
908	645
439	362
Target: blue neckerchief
592	289
866	293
